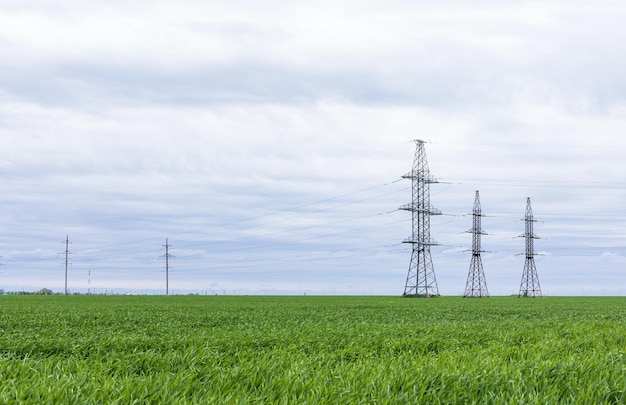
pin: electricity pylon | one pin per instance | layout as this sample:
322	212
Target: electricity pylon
476	285
67	253
529	286
167	256
420	280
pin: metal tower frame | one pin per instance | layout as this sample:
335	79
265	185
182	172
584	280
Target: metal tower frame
476	285
420	280
529	286
167	256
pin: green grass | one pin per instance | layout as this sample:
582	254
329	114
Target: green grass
286	350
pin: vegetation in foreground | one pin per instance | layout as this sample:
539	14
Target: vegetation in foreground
285	350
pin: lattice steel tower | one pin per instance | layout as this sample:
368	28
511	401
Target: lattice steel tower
420	280
476	285
530	281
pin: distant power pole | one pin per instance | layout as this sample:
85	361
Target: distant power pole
420	281
167	267
67	253
529	286
476	285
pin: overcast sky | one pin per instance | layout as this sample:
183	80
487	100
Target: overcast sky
266	141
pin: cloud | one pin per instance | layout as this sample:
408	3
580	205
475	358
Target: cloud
300	53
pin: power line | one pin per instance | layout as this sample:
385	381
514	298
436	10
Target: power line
130	245
540	183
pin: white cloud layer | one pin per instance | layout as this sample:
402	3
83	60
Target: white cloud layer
265	141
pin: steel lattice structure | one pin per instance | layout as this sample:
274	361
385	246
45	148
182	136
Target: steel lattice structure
421	280
529	286
476	285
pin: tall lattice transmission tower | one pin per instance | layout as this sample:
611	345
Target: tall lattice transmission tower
476	285
529	286
420	280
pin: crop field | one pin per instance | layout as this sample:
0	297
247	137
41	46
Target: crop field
297	350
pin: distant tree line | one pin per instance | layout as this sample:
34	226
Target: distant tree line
43	291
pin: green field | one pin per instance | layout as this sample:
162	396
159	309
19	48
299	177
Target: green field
295	350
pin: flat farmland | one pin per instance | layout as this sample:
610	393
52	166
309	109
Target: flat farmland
287	350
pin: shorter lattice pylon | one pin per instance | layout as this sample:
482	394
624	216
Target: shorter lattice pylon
529	286
476	285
